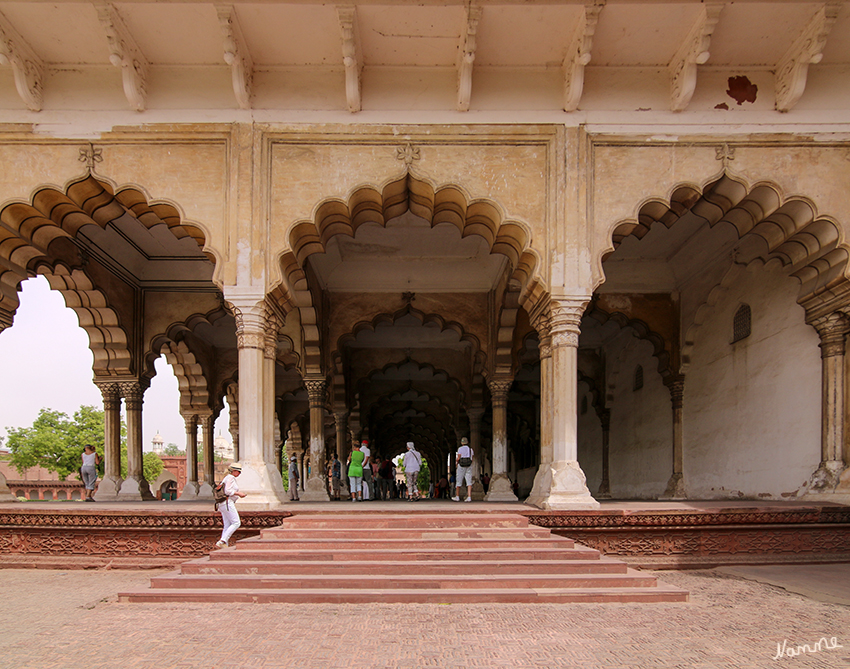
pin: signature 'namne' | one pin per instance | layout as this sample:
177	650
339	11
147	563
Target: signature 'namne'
823	643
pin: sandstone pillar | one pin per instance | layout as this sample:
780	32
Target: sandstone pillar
540	487
260	480
233	406
500	485
109	486
190	490
833	331
205	490
300	462
604	491
315	489
134	487
676	484
475	414
273	325
563	483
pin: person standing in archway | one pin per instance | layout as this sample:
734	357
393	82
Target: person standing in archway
89	470
368	492
463	460
355	472
293	479
412	465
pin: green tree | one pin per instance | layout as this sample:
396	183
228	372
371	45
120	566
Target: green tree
424	478
173	450
152	466
56	442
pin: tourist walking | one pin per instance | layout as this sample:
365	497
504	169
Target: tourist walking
368	493
412	465
294	477
385	478
463	460
355	472
89	470
334	474
227	508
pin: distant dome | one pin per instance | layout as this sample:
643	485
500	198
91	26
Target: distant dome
158	443
223	448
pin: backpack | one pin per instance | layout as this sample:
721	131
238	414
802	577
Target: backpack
465	462
218	494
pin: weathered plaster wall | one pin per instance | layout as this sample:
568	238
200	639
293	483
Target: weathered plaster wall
752	409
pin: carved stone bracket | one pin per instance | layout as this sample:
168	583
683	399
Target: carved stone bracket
27	67
793	69
693	52
236	55
466	57
578	55
351	58
126	54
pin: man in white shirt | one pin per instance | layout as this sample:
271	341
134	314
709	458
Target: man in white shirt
367	469
412	464
463	460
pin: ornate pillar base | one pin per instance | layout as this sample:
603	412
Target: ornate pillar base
135	489
566	488
205	491
538	489
675	488
315	491
108	488
500	489
263	485
477	490
190	491
825	480
6	494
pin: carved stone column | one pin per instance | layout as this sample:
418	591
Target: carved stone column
260	479
563	483
278	445
475	414
109	486
233	405
540	487
190	490
500	485
833	331
315	489
604	491
134	487
273	325
676	484
300	461
205	490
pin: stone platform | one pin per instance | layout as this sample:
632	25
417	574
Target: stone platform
649	534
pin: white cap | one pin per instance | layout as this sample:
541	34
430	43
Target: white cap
409	445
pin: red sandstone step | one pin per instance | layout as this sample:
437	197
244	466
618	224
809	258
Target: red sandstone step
401	521
410	555
448	567
287	532
631	579
399	544
456	596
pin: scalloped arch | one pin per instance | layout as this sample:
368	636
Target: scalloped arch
811	245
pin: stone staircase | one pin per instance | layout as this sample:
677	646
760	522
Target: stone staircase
354	557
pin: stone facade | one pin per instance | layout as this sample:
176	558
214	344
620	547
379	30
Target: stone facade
549	260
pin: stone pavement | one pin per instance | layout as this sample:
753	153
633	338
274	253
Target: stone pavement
70	619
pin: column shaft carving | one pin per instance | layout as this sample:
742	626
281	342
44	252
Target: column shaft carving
500	485
108	488
190	490
315	488
134	487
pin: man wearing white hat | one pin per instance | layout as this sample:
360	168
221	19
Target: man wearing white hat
463	460
412	464
227	508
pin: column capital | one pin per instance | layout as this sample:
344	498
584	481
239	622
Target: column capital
133	393
542	322
499	388
677	391
316	390
111	393
566	313
257	322
832	330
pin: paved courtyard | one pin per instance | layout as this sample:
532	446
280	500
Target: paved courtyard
69	619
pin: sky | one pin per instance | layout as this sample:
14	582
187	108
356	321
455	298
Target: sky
45	362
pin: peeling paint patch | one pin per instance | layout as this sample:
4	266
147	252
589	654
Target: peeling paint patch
722	105
742	90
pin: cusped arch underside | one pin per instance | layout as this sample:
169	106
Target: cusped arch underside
27	229
811	246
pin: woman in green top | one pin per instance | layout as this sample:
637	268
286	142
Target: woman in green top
355	471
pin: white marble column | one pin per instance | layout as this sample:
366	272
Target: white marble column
833	331
134	487
564	484
205	489
540	487
676	484
109	486
500	485
315	489
260	480
190	490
